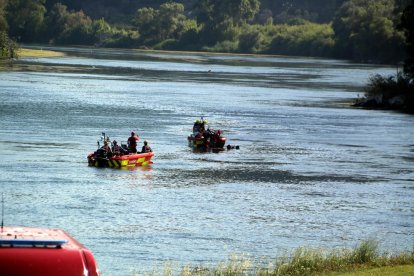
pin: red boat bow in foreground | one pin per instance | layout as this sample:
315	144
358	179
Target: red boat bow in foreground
43	252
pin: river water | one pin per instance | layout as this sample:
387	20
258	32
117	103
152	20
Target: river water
311	170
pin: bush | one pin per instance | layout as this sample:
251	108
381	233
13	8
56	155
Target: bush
308	39
8	47
394	92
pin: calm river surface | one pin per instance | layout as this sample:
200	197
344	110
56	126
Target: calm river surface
311	171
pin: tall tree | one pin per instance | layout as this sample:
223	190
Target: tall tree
7	46
167	22
3	21
56	20
221	18
171	20
359	23
25	18
145	20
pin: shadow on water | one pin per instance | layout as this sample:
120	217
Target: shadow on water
248	175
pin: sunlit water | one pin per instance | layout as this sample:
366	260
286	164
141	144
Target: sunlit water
311	170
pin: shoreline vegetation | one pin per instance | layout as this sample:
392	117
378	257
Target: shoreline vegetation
388	93
365	259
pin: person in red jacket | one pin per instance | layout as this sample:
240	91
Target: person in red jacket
132	142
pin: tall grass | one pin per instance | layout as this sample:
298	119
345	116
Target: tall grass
301	262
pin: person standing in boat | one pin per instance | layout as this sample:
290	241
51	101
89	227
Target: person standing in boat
146	148
132	142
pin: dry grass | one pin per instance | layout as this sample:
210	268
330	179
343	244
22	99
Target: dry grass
31	53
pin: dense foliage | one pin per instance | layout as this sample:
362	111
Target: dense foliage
326	28
407	25
358	23
395	92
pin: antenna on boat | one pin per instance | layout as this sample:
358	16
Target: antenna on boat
2	211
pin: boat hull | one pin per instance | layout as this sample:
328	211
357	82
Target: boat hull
202	144
122	161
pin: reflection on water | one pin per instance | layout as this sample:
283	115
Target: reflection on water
310	170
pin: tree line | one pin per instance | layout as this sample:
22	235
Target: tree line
363	30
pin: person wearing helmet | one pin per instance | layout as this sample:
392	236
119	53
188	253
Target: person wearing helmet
203	125
196	127
132	142
146	148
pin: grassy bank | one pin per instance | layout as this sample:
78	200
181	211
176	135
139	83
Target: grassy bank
23	52
401	270
365	259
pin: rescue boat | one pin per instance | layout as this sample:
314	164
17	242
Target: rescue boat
121	157
120	161
209	140
43	251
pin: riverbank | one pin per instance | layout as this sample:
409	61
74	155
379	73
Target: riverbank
363	260
37	53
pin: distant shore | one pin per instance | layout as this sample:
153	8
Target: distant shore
32	53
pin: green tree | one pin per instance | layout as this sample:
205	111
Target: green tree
308	39
250	40
25	19
56	20
168	22
3	21
146	21
7	46
359	23
221	19
77	29
240	11
171	20
102	30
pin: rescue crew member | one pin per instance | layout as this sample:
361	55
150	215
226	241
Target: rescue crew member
132	142
203	125
116	149
107	148
196	127
146	148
